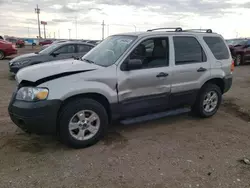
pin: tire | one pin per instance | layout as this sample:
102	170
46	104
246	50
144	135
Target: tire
68	114
238	60
199	107
1	55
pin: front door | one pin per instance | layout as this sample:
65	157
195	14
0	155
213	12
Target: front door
146	89
189	69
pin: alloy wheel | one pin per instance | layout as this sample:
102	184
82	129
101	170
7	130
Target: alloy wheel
84	125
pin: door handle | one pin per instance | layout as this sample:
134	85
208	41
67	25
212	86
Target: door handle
162	74
201	69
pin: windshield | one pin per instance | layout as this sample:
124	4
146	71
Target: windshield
241	43
110	50
49	49
236	42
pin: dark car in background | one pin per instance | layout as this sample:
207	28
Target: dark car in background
59	51
95	42
7	49
45	42
240	50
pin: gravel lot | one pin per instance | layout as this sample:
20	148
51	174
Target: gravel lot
178	151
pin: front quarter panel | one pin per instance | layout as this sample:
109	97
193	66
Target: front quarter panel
101	81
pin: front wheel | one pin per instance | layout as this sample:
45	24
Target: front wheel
82	123
208	101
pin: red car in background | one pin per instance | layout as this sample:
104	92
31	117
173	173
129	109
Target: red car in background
240	50
7	49
18	42
45	42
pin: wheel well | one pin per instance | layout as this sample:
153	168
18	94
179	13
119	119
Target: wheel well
95	96
217	81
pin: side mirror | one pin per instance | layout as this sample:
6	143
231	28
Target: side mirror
75	57
134	64
55	54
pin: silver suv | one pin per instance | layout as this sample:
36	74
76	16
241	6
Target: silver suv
126	75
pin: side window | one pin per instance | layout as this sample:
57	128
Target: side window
188	50
83	48
248	42
152	52
218	47
66	49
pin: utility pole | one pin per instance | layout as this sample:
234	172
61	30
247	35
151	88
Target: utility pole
135	27
54	35
44	31
76	26
58	34
37	11
69	33
28	31
103	29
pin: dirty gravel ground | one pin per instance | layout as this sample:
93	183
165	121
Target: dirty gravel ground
180	151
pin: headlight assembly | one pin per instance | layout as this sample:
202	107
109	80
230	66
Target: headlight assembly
32	94
17	63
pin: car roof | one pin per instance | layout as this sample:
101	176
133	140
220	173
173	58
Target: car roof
177	33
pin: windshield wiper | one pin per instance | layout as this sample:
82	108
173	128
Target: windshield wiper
89	61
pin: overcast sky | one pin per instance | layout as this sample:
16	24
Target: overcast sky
18	18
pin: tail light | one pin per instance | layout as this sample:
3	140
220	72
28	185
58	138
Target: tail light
232	66
14	46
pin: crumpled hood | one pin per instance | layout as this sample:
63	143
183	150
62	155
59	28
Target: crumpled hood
40	71
23	56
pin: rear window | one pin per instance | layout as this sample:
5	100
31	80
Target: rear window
218	47
188	50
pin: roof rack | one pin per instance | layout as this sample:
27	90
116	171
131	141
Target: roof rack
176	29
200	30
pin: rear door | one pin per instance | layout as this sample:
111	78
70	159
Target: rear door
189	70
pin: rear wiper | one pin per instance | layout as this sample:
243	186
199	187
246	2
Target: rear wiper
89	61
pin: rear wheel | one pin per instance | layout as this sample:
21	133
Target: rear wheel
238	60
82	123
208	101
1	55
